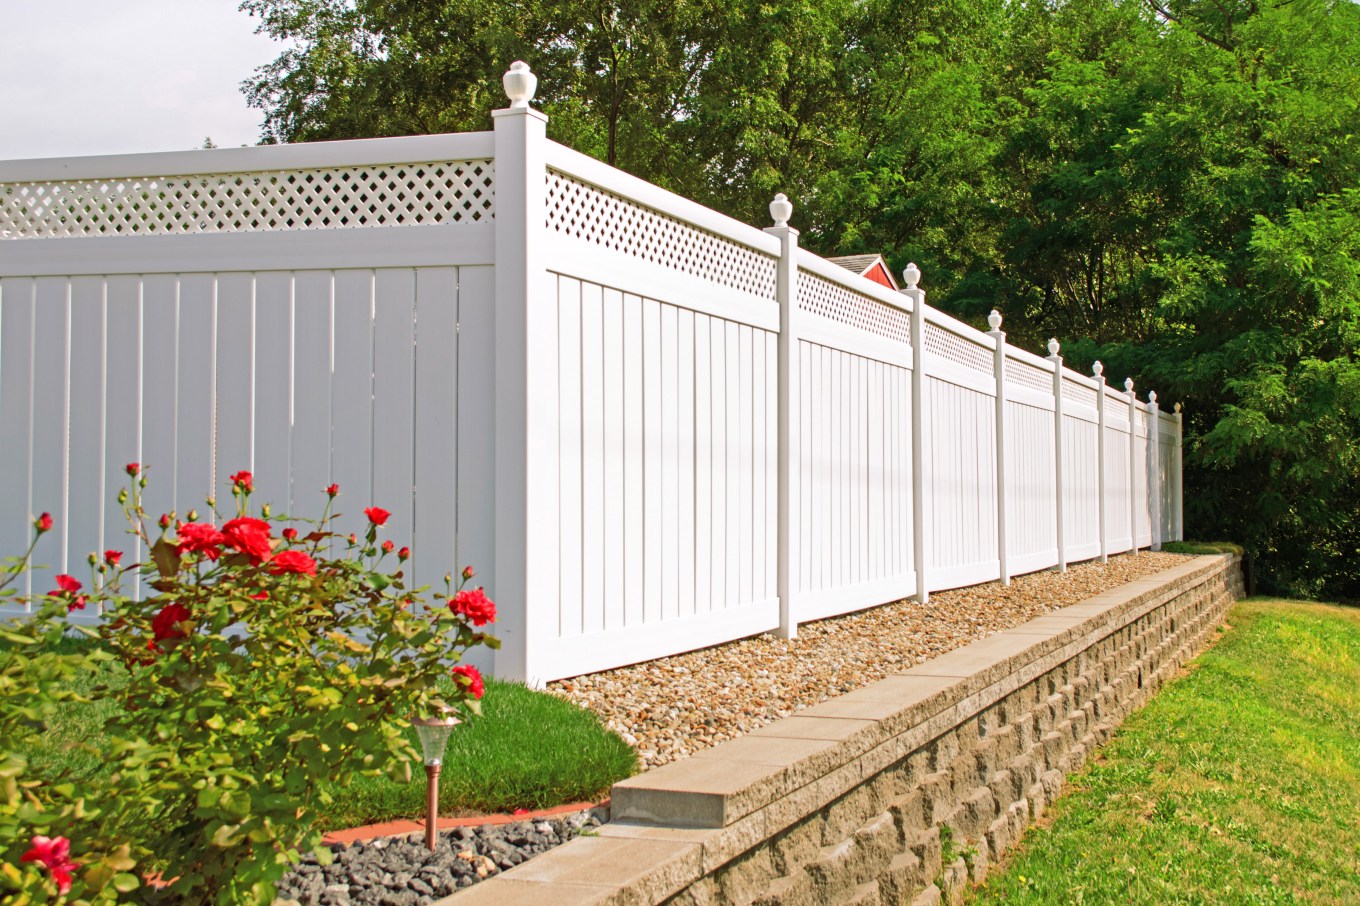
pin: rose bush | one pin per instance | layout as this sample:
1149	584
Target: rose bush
268	662
59	839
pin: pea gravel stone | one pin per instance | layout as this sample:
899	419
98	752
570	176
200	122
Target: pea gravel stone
670	708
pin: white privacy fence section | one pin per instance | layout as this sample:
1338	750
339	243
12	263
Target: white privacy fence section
199	350
651	428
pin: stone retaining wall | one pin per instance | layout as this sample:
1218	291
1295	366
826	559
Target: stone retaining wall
900	792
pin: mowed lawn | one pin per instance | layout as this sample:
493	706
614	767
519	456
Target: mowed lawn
529	750
1238	783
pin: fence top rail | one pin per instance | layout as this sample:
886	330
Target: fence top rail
258	158
816	264
1081	380
959	329
610	179
1028	358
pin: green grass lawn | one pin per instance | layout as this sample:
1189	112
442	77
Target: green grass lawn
1238	783
528	750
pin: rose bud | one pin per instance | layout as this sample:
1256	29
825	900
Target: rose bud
332	490
43	523
387	546
468	573
133	468
289	534
265	511
165	520
193	515
404	553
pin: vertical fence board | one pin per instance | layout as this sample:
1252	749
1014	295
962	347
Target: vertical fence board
310	454
685	493
571	513
271	457
196	415
235	388
613	460
16	400
437	356
476	453
51	389
352	398
703	464
592	458
634	448
668	459
85	484
394	401
122	413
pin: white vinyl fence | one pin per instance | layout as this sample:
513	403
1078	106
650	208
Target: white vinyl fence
650	427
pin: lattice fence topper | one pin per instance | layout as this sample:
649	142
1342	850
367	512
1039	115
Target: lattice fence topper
950	346
1026	375
1078	393
381	195
593	215
831	300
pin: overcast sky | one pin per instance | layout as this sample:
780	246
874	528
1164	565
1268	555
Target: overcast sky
116	76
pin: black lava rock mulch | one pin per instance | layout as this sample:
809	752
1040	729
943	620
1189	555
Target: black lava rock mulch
400	871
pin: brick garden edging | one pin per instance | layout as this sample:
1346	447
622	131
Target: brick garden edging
844	802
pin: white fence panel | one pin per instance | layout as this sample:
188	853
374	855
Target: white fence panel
1081	464
960	456
1143	479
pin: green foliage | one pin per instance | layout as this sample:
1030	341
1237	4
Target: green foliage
1202	547
260	676
35	685
1238	783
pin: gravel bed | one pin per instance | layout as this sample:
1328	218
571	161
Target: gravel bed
400	871
673	707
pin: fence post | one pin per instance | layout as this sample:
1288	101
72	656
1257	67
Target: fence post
1154	484
999	335
526	567
1177	496
1133	449
1098	371
790	460
1056	359
911	276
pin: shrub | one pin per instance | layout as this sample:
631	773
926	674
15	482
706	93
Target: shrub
258	666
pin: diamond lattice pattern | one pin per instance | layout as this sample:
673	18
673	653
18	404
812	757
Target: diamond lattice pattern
1026	375
831	300
1078	393
956	349
331	198
593	215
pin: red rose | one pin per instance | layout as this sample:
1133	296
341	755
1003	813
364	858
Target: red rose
55	854
68	587
168	623
377	515
133	468
470	678
250	537
289	534
404	554
200	538
113	558
260	596
475	605
468	573
294	562
43	523
388	546
243	481
332	490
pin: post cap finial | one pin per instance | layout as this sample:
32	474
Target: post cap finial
1152	397
1177	407
781	209
912	275
520	84
1128	384
1053	346
1097	369
994	319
